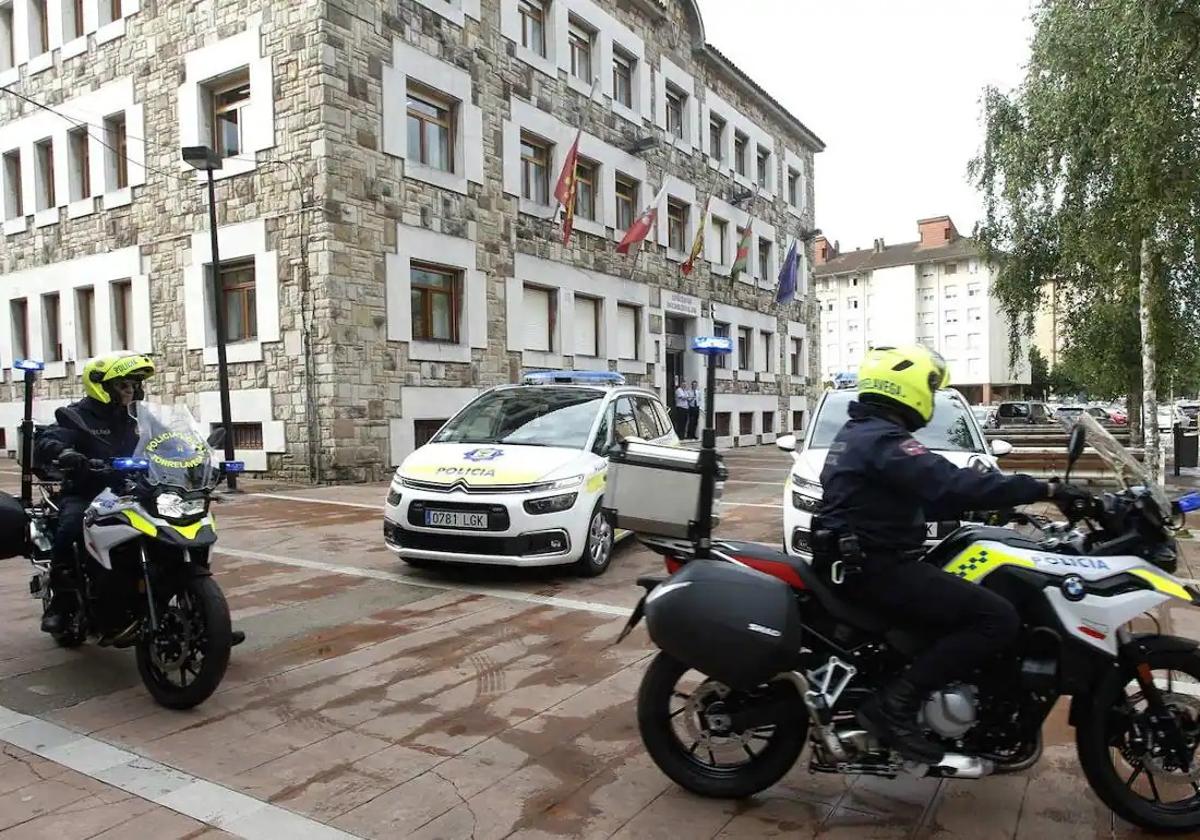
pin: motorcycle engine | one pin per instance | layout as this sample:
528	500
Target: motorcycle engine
951	712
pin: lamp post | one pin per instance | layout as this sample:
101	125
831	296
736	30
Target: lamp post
205	159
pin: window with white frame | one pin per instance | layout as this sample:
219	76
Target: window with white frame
974	314
764	259
238	299
14	201
764	162
436	298
974	289
18	313
926	319
716	136
540	311
535	168
110	10
951	292
581	39
79	162
974	341
951	316
745	337
229	96
952	342
39	27
85	322
117	161
740	143
627	197
974	367
8	40
121	298
52	349
587	326
721	330
431	127
586	182
793	187
676	105
720	229
852	303
72	20
624	65
677	220
951	268
533	25
768	348
629	322
795	356
43	159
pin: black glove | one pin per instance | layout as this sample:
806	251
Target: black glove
1074	502
71	461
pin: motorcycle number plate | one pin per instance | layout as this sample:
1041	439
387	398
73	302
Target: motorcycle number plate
456	519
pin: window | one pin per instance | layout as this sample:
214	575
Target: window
624	420
973	341
535	169
974	314
677	216
238	298
721	330
629	331
768	422
424	430
430	129
43	156
852	303
764	158
585	189
435	294
122	314
587	326
675	98
85	322
80	164
746	423
541	309
973	289
795	356
623	64
793	188
768	345
951	316
18	311
951	292
720	229
39	27
627	191
740	141
722	420
533	27
110	10
926	319
7	36
72	20
51	328
650	425
764	259
579	38
244	435
745	336
230	97
797	420
952	342
852	327
951	268
14	204
118	162
927	295
716	132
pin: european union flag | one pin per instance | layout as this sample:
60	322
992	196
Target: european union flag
785	292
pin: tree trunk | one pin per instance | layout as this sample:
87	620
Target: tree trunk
1149	379
1133	411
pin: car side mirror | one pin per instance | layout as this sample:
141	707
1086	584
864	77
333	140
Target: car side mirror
786	442
1075	446
217	437
1000	448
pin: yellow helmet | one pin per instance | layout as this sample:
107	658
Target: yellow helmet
904	376
100	371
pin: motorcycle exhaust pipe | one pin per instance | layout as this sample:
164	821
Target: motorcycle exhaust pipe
819	713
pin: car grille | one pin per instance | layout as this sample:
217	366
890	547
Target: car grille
460	486
497	515
541	542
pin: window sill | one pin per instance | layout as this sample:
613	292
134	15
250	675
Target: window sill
767	437
676	256
721	270
795	211
74	47
54	370
631	366
533	208
583	362
235	352
438	351
40	62
82	207
538	62
110	31
45	218
765	376
452	181
541	359
724	373
9	76
747	278
118	198
589	226
16	225
578	85
626	113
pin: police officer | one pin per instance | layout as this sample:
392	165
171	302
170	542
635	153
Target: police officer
99	426
879	485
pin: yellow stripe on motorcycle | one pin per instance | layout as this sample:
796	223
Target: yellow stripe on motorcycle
141	523
189	531
1163	584
977	562
596	483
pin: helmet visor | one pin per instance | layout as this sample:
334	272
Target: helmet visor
939	377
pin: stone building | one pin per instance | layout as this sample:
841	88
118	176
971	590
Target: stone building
388	242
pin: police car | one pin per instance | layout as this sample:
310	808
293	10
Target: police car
953	433
516	477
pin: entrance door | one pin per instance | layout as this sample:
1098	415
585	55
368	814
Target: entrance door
674	373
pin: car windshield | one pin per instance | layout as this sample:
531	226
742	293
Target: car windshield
1190	410
529	416
950	430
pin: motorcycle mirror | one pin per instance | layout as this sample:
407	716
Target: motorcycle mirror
1075	446
217	437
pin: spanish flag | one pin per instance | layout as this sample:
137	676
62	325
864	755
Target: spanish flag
564	190
697	244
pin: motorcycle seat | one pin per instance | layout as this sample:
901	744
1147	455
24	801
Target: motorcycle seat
801	575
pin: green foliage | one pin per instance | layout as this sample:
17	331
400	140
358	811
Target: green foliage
1039	375
1096	150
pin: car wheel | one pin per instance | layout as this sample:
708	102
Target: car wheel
598	549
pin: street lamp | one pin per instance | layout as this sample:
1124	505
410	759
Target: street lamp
205	159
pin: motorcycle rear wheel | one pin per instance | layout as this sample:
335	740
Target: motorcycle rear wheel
766	752
182	665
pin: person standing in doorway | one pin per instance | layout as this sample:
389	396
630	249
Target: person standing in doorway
679	412
693	416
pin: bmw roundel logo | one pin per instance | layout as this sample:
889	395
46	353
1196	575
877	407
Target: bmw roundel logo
487	453
1073	588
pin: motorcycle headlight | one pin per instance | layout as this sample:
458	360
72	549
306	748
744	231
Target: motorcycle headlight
550	504
174	506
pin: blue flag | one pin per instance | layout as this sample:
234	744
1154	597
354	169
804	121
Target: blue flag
785	292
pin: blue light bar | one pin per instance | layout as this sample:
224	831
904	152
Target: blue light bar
130	464
233	466
28	364
572	377
712	345
1189	503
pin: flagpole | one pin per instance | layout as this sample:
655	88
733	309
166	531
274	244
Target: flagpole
636	257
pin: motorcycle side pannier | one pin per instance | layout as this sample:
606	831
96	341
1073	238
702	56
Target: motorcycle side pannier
655	490
734	624
13	527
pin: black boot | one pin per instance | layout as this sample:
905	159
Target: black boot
54	619
891	716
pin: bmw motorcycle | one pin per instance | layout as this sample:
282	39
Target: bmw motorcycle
761	655
141	577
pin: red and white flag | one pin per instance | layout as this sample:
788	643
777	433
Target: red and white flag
642	225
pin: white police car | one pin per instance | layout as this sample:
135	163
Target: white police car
516	477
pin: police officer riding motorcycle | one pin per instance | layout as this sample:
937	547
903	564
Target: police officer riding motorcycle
880	485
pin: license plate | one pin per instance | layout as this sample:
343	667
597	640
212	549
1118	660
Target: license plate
456	519
939	530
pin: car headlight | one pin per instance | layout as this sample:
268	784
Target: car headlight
551	504
393	496
560	484
809	488
808	504
174	506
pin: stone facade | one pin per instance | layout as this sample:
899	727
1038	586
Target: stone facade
331	214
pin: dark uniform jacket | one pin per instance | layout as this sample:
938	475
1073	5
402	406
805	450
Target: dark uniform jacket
93	429
880	483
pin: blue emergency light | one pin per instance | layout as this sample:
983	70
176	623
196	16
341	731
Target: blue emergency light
233	466
28	364
712	345
130	464
1189	502
572	377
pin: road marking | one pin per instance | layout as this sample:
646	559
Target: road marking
378	508
747	504
212	804
408	580
747	481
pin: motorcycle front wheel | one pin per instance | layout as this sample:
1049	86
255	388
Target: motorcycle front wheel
688	723
183	662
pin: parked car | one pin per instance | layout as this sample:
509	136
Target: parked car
985	416
517	476
1190	409
954	433
1070	413
1022	413
1117	415
1169	416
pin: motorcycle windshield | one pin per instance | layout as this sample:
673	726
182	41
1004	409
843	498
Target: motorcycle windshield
173	446
1128	470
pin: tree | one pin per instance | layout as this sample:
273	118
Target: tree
1090	172
1039	375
